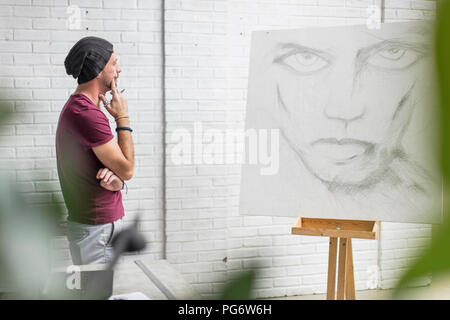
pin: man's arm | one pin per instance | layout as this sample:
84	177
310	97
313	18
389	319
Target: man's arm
108	180
118	156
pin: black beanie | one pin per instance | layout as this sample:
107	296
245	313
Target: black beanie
87	58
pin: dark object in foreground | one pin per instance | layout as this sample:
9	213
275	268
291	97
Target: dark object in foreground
84	284
128	240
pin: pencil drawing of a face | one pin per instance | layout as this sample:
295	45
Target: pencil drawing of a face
337	108
357	122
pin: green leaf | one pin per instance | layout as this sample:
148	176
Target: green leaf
25	235
442	53
435	259
4	112
240	288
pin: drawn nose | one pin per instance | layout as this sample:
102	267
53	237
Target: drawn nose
343	103
344	112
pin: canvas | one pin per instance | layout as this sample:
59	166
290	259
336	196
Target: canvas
357	123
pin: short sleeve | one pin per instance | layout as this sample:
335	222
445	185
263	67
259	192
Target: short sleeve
92	127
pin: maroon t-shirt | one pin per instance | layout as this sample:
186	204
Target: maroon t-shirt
81	126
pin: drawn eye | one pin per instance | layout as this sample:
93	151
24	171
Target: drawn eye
303	62
394	58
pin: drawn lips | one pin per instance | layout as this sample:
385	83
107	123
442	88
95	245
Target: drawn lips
340	150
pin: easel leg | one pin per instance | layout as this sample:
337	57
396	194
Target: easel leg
332	256
350	279
342	268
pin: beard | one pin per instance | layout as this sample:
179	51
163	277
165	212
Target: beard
105	85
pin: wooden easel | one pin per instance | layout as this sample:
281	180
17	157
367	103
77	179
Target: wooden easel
344	230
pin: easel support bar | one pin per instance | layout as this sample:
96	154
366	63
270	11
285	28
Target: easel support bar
342	232
331	285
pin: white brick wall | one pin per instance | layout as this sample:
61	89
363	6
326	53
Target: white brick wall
298	266
207	48
34	40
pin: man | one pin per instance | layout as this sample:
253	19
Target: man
92	166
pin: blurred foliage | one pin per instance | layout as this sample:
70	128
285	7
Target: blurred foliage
25	238
240	288
435	259
25	242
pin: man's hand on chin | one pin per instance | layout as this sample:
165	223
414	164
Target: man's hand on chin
109	180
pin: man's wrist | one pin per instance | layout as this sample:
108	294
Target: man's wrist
124	122
121	116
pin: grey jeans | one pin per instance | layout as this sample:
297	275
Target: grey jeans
91	244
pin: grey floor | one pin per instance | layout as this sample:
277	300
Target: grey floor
439	289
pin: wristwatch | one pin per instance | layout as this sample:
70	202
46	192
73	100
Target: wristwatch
124	128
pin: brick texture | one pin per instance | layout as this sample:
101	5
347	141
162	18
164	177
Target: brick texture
207	49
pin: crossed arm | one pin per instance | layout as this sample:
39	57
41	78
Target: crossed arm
108	180
118	161
117	158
